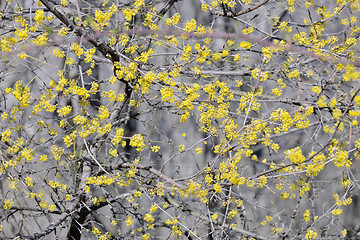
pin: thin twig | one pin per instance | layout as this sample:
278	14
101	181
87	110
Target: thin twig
93	158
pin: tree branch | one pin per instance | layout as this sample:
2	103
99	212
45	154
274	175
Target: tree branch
249	9
318	152
78	217
151	170
103	47
49	229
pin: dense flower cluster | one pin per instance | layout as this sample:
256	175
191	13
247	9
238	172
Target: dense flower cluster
185	120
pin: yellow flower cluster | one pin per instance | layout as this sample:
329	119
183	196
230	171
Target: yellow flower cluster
245	45
318	164
88	55
57	151
173	20
310	234
144	56
203	52
129	72
167	94
8	203
41	40
63	31
69	139
39	16
103	18
57	185
150	219
79	119
5	136
340	157
7	43
103	113
248	30
77	49
258	74
186	52
306	215
64	111
27	154
146	81
172	40
336	211
13	183
101	180
29	182
342	202
22	34
118	136
137	141
295	155
190	26
175	230
21	94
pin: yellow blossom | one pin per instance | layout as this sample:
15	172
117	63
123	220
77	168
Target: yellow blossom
248	30
149	218
316	89
310	234
190	26
8	204
137	141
